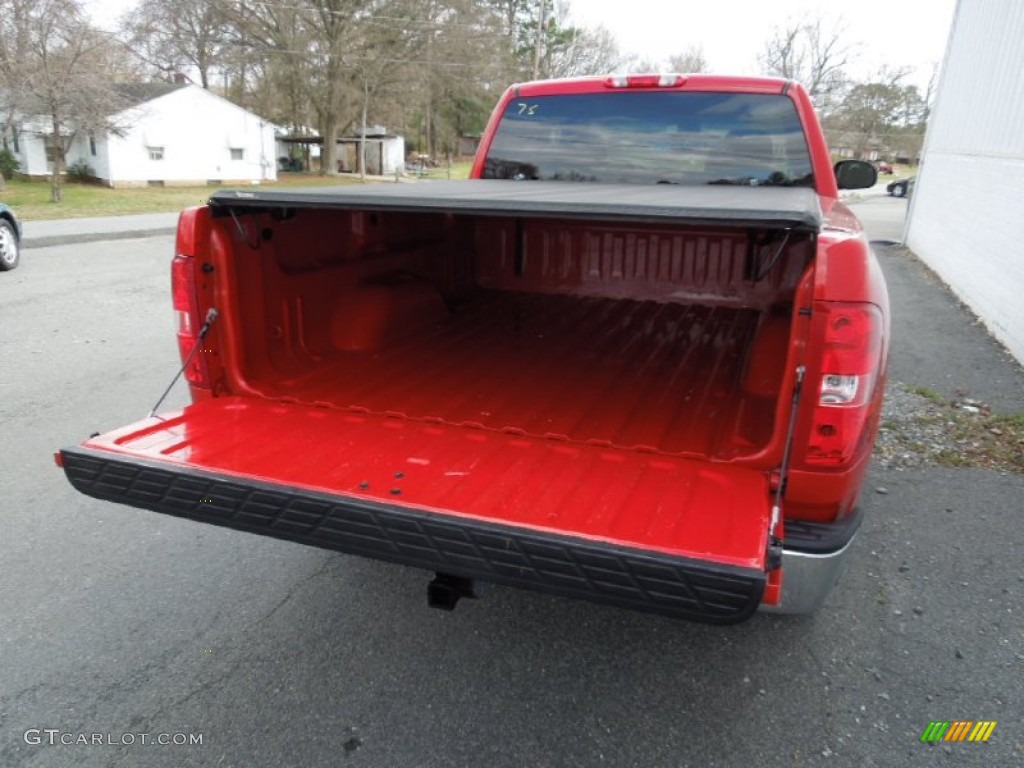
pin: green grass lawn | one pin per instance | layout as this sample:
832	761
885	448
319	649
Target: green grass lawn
31	199
459	170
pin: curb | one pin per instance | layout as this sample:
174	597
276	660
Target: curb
93	237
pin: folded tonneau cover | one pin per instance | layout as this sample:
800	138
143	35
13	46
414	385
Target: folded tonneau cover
765	207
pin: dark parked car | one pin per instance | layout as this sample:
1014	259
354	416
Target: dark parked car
901	188
886	168
10	238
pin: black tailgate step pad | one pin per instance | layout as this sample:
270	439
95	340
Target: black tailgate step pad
645	580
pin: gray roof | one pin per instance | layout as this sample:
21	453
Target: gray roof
139	93
129	95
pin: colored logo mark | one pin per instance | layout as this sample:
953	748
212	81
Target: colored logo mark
958	730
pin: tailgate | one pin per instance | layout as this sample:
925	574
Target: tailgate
635	529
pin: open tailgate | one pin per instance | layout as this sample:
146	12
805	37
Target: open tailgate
639	530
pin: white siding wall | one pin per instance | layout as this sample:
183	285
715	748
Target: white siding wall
197	131
394	155
101	160
966	214
32	148
81	149
33	155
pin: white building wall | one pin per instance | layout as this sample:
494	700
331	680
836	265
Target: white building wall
81	149
197	131
33	155
32	148
101	160
965	215
394	155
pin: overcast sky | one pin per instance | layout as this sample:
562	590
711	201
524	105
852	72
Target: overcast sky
894	33
891	33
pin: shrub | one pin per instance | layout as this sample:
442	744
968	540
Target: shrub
81	171
8	163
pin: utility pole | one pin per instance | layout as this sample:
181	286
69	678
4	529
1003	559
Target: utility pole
540	38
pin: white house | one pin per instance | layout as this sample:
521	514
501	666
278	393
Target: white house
174	134
965	214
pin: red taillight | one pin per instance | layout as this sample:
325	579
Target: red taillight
850	363
186	309
643	81
183	285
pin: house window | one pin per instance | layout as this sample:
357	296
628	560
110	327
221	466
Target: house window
51	150
155	153
14	136
237	154
92	144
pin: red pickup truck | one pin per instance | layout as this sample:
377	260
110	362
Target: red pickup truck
638	358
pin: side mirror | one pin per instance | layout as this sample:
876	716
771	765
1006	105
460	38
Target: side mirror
855	174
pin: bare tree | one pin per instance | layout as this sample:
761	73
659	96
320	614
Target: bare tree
542	42
431	68
14	18
784	55
383	57
312	37
690	60
882	114
471	58
930	90
7	113
421	63
266	65
640	65
812	54
585	51
174	35
59	72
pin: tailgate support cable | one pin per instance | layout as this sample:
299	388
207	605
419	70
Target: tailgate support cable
211	316
774	542
762	270
242	232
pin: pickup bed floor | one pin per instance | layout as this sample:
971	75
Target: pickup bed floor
650	376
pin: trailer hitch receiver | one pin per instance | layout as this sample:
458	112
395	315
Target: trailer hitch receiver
445	590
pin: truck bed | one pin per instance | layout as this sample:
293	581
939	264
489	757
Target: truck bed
589	404
646	376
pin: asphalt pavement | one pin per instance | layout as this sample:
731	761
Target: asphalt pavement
116	622
43	234
885	214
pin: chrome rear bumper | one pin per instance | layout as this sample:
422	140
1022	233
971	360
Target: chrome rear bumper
807	580
812	559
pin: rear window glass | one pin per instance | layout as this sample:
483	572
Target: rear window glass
652	137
